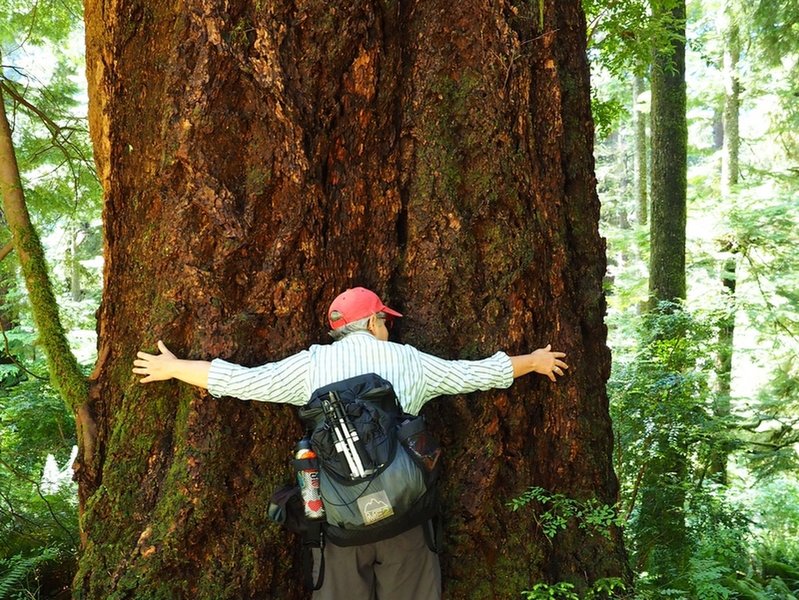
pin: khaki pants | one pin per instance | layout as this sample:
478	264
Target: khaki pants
400	568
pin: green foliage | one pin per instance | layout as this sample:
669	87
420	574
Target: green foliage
557	591
45	103
42	51
39	530
776	24
775	507
607	115
621	35
37	21
602	589
590	514
662	387
18	573
719	526
607	587
53	148
665	377
764	226
661	401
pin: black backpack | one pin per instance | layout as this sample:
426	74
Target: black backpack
395	459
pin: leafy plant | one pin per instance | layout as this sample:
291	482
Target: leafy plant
589	514
602	589
557	591
39	530
18	573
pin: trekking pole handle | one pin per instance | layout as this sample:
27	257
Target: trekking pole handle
350	434
342	440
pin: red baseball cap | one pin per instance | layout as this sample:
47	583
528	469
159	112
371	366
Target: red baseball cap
354	305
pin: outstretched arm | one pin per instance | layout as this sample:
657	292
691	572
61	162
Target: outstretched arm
542	361
164	366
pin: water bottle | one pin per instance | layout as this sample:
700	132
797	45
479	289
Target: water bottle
308	479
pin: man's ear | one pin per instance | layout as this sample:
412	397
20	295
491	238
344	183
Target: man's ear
371	325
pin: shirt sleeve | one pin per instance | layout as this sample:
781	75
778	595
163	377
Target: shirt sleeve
285	381
447	377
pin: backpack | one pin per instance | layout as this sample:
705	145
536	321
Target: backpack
379	482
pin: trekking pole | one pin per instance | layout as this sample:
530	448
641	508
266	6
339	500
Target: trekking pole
362	457
350	434
339	439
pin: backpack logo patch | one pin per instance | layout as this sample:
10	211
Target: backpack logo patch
375	507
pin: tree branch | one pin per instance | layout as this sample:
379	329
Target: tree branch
64	370
14	360
6	250
60	139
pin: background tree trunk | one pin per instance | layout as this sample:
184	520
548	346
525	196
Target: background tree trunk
257	159
641	159
732	88
669	161
73	265
662	545
729	178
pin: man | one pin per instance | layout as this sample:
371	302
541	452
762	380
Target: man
403	567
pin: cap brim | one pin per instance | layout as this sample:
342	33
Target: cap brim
391	311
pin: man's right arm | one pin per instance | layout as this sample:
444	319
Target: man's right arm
284	381
165	366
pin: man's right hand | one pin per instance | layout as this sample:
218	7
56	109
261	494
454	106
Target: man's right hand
160	367
156	367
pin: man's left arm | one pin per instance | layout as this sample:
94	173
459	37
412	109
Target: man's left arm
542	361
447	377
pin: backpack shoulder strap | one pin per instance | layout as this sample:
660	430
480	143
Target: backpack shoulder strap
314	537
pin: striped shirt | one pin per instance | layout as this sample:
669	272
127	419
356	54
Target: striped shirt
417	377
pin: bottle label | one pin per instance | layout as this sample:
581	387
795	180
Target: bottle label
311	499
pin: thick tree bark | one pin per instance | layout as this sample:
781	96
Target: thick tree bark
669	162
259	158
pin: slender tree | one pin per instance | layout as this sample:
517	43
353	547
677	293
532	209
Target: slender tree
662	546
730	32
64	370
669	159
641	161
257	158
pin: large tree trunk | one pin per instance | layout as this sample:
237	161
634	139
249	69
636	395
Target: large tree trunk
257	159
